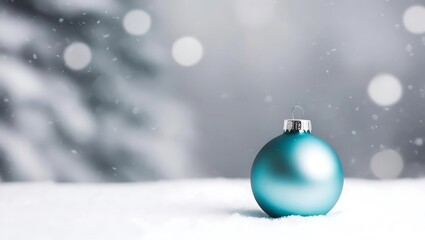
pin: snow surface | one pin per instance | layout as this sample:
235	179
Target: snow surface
203	209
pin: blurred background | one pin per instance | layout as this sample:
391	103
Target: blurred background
108	90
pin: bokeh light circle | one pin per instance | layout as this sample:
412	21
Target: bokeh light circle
386	164
414	19
187	51
385	90
137	22
77	55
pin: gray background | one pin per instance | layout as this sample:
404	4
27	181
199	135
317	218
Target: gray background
135	114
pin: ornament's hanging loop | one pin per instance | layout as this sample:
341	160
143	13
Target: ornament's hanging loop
295	107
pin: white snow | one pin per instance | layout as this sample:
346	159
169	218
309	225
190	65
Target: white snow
203	209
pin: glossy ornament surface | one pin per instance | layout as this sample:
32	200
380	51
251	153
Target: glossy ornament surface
297	173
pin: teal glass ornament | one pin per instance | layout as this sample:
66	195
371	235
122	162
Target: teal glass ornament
297	173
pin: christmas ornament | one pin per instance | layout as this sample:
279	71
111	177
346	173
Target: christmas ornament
296	173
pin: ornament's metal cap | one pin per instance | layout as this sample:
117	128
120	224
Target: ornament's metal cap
297	125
